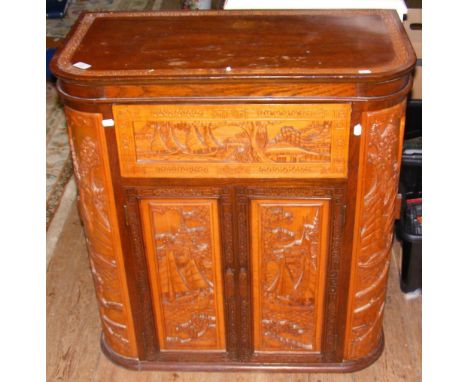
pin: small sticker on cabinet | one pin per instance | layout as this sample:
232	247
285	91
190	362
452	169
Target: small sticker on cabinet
357	130
107	122
81	65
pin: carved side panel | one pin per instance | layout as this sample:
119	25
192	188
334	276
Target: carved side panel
97	210
269	141
376	196
183	254
289	250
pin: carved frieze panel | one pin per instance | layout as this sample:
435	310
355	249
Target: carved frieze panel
380	163
289	253
269	141
183	255
97	210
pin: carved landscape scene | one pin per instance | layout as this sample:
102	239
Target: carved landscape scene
183	245
288	265
234	141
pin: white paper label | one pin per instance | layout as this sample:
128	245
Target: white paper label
357	130
81	65
107	122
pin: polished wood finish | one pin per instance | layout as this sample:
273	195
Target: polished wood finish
300	112
183	257
96	202
377	191
73	329
234	91
245	141
289	250
320	43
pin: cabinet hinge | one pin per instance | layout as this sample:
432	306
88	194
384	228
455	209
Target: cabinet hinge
125	208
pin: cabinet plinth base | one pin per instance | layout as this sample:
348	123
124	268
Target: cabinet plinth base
339	367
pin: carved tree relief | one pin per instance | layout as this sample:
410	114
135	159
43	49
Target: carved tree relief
288	265
241	140
383	132
89	154
183	257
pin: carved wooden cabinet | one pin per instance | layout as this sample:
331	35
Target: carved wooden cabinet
237	176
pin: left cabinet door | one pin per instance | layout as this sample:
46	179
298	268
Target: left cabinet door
182	248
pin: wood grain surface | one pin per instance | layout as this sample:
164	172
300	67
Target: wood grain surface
96	202
314	43
262	109
183	254
235	141
375	217
73	328
289	249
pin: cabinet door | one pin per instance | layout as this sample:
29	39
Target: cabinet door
183	255
289	255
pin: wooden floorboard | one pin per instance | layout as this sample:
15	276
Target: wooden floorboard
73	330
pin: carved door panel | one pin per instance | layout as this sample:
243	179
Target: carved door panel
182	242
289	246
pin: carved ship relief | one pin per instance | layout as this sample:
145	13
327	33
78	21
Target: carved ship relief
233	142
248	140
183	238
289	261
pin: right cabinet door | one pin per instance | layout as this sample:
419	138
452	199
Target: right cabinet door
289	252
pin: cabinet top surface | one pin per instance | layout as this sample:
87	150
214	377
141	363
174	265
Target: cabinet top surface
356	45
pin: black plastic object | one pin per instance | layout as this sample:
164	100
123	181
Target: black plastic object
413	124
49	54
409	227
411	174
411	240
56	9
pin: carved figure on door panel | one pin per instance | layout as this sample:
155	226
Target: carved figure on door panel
183	246
292	260
290	246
